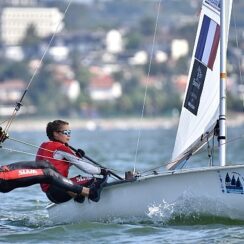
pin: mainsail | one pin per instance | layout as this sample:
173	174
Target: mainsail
200	109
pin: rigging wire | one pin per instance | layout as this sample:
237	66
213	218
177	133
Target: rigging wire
3	122
28	144
145	93
19	104
162	165
46	157
38	147
201	151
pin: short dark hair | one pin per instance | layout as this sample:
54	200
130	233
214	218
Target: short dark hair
56	125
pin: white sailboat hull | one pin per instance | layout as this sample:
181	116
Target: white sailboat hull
206	191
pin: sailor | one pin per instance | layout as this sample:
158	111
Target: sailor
61	156
23	174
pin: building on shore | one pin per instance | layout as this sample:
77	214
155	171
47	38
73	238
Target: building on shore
18	3
16	21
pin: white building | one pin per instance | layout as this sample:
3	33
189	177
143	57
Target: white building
140	58
14	53
15	21
179	48
103	87
11	90
19	2
71	88
59	52
114	42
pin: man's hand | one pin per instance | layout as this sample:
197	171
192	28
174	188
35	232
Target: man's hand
3	135
104	172
80	153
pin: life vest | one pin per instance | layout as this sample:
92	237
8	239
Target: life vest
46	152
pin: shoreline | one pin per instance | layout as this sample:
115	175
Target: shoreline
113	123
93	124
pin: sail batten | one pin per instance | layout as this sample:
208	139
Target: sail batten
200	110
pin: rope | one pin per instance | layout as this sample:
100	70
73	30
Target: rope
210	150
203	150
38	147
162	165
26	143
33	154
19	104
147	81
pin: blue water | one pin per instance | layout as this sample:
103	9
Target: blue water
24	219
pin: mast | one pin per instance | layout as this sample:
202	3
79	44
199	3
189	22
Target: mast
223	76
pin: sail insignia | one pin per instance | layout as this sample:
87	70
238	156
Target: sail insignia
195	87
233	184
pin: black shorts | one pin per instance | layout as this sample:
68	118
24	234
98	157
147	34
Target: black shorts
57	195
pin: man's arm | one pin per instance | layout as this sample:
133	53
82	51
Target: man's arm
79	163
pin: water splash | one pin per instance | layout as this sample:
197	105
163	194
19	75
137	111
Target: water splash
190	210
161	212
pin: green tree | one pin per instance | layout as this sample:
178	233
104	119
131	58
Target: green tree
147	26
83	76
156	68
133	41
182	65
13	70
77	17
30	41
45	93
31	37
234	103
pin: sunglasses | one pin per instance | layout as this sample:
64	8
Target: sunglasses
65	132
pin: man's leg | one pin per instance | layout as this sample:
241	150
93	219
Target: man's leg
23	174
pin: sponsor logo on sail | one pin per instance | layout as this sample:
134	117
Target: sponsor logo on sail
194	91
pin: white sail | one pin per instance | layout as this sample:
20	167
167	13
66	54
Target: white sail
201	103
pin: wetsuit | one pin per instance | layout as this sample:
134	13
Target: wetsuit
62	157
23	174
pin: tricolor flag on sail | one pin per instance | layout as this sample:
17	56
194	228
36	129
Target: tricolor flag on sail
208	42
